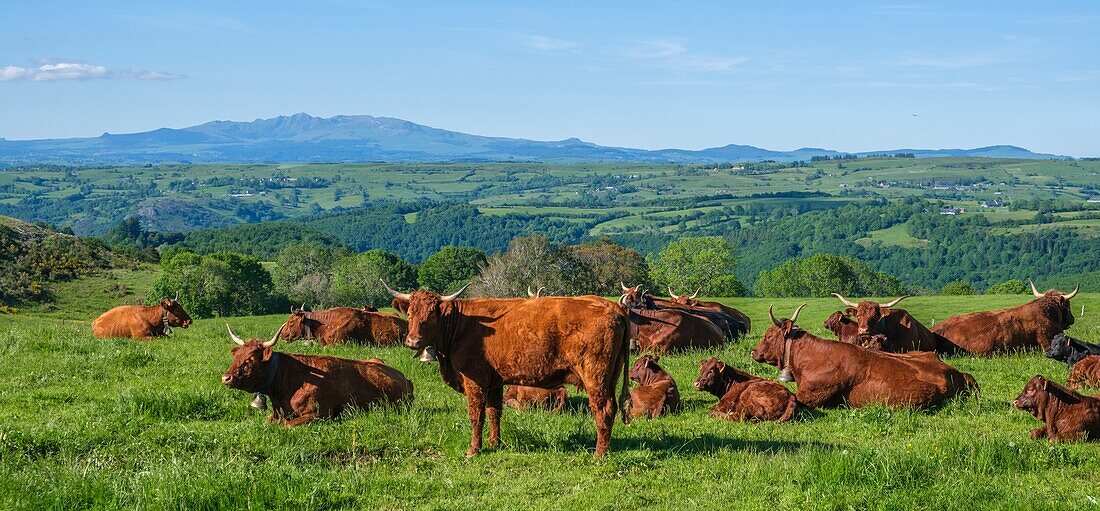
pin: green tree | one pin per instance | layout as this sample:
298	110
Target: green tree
705	263
958	287
303	272
355	278
610	263
822	274
450	268
534	261
220	284
1008	287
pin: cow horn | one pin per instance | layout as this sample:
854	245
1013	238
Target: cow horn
303	306
233	336
1034	292
772	314
275	338
696	293
454	295
529	293
794	317
673	295
1072	293
395	294
623	286
538	292
893	303
177	298
845	300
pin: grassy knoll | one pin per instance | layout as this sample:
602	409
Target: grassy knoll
93	423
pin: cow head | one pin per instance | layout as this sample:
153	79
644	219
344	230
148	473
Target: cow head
838	320
299	325
773	348
1060	348
251	358
690	301
633	297
1055	304
174	312
401	306
869	315
425	312
1034	395
645	370
710	375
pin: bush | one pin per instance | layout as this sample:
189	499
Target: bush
822	274
220	284
450	268
303	272
609	264
1008	287
355	278
958	287
534	261
703	263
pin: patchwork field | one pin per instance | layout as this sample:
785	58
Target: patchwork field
110	424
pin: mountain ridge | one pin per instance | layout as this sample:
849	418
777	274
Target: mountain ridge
364	138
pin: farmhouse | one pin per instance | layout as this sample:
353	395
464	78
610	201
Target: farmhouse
952	211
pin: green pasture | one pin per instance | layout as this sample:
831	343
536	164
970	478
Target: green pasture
109	424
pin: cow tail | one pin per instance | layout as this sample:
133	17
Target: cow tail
792	409
624	392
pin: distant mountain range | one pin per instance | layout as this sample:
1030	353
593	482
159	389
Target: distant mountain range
363	138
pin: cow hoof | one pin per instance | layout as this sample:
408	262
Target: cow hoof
260	402
470	453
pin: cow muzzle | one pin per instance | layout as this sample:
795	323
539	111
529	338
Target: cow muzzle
414	343
227	379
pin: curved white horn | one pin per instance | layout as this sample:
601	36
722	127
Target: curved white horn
673	295
1072	293
623	286
538	292
395	294
775	322
696	293
529	293
893	303
794	317
454	295
177	298
845	300
275	338
233	336
1034	292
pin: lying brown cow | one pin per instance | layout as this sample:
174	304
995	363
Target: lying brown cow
664	330
732	324
901	331
307	387
691	301
656	393
486	343
521	397
344	324
1066	415
1085	373
831	373
1028	326
742	396
140	322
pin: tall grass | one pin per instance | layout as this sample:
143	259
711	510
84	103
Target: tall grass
108	424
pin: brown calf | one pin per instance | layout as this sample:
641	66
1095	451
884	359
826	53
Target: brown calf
1066	415
140	322
656	393
307	387
1085	373
521	397
742	396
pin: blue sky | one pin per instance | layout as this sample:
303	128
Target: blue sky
848	76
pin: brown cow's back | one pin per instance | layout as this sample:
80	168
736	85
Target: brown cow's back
984	333
135	321
1085	373
663	330
756	400
334	384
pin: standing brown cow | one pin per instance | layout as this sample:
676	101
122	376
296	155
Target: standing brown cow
742	396
901	330
484	344
308	387
140	322
1066	415
1024	327
831	373
342	324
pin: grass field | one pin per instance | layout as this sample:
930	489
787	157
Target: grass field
114	424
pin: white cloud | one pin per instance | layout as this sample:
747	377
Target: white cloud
673	54
549	44
71	70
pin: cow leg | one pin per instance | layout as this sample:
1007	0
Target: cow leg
494	399
603	412
1038	433
299	420
475	408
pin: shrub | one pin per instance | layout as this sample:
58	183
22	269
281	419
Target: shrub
958	287
703	263
822	274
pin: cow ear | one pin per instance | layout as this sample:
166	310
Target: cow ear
906	320
721	365
849	312
1045	386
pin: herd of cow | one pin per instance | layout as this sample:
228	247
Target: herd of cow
536	345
